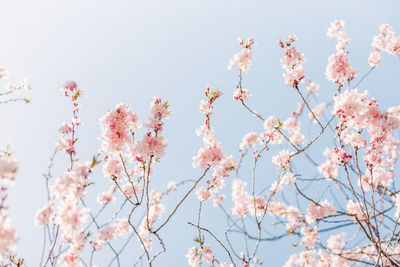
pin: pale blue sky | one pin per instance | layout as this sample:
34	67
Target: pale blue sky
130	51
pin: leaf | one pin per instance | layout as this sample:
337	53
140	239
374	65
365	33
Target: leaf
95	161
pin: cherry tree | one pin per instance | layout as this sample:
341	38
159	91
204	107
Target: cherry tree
339	206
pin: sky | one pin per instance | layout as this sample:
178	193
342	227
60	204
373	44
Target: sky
129	51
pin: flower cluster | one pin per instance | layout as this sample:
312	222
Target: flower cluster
241	94
251	139
385	41
339	69
357	114
8	167
336	255
117	127
8	235
243	59
195	256
68	139
292	61
211	155
316	212
120	227
121	146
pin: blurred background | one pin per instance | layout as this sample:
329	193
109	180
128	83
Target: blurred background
130	51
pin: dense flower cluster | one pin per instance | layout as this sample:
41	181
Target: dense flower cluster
117	126
293	62
385	41
250	140
339	69
243	59
121	147
195	256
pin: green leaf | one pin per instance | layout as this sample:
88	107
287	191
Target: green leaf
95	161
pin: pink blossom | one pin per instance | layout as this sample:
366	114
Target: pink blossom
250	140
122	227
294	76
43	215
8	167
355	209
107	233
293	63
292	57
318	212
205	107
258	206
208	156
112	168
282	159
159	111
242	59
329	169
155	211
276	208
241	94
307	258
293	216
151	146
203	193
297	113
386	40
70	216
193	257
65	128
206	253
241	199
312	88
310	236
339	69
116	128
272	135
70	259
131	190
66	145
226	165
288	178
336	243
293	126
8	237
106	197
374	59
335	29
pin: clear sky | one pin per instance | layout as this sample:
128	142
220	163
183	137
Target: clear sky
129	51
